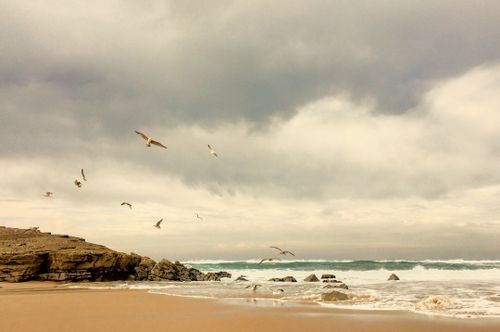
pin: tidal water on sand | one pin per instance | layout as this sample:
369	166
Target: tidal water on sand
458	288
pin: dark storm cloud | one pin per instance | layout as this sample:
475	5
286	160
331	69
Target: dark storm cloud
79	79
186	62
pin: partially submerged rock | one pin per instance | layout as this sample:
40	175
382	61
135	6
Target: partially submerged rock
393	277
166	270
328	276
334	296
311	278
285	279
215	276
241	278
341	285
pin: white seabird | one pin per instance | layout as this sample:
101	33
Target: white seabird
150	140
282	252
212	151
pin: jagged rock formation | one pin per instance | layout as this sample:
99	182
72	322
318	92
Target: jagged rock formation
144	268
28	254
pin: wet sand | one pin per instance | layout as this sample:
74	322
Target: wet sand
36	306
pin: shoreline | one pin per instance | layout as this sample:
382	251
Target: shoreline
42	306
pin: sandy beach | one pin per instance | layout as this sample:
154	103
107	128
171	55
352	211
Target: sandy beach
36	306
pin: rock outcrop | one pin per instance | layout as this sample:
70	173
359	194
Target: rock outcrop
393	277
285	279
311	278
328	276
28	254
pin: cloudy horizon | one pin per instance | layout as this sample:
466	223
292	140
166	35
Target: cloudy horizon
348	131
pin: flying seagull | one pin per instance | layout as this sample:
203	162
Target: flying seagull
282	252
48	194
212	151
157	225
78	183
149	140
268	259
83	175
254	287
128	204
198	216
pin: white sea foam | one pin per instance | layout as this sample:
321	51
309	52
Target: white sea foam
465	293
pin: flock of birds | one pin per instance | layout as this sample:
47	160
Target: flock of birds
150	142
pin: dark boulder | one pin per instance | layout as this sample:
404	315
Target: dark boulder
334	296
285	279
340	285
241	278
144	268
311	278
393	277
215	276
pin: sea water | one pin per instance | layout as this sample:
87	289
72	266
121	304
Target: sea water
458	288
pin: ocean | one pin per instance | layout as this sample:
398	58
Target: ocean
456	288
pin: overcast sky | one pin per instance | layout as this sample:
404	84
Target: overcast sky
366	129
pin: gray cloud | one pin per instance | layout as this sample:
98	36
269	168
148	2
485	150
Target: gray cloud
190	63
324	113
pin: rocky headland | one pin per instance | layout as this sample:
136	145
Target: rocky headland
28	254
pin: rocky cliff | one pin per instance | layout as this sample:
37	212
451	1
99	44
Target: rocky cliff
28	254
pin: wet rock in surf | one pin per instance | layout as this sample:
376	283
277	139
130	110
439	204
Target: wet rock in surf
393	277
334	296
328	276
339	285
333	281
285	279
165	270
311	278
241	278
215	276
